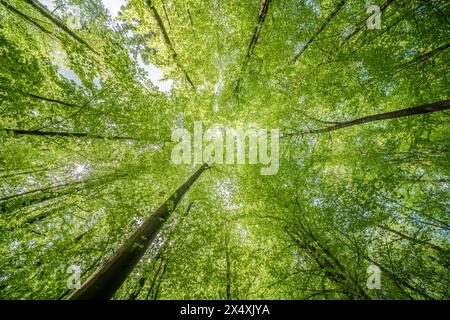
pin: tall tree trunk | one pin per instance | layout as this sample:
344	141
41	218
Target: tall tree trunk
162	257
152	293
43	190
168	42
42	10
104	282
427	108
329	263
62	134
31	172
38	97
428	55
26	18
264	8
135	293
50	100
359	26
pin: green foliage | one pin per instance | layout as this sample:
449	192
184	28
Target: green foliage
372	194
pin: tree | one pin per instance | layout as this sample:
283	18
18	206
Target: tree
104	282
86	122
428	108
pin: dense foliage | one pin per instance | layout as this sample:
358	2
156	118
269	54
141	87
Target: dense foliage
85	147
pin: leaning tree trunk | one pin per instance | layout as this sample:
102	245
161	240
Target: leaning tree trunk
17	132
423	109
44	11
104	282
168	42
428	108
264	8
320	30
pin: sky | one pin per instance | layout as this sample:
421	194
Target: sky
113	6
155	75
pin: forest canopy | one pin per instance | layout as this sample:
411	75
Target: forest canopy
352	96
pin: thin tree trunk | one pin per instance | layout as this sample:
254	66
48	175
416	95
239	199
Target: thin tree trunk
360	26
331	266
38	97
59	187
27	202
320	30
51	100
160	256
15	175
41	190
428	55
227	256
158	284
26	18
264	8
104	282
151	293
62	134
138	289
169	42
165	13
412	239
58	23
398	280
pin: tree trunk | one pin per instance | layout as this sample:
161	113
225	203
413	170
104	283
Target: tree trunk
427	108
168	42
429	54
320	30
58	23
333	269
412	239
50	100
161	256
104	282
62	134
264	8
26	18
398	280
227	256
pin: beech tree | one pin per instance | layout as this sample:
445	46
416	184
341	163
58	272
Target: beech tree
92	205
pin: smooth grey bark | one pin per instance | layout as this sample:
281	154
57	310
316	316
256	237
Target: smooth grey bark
104	282
423	109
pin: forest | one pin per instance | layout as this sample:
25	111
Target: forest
346	101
